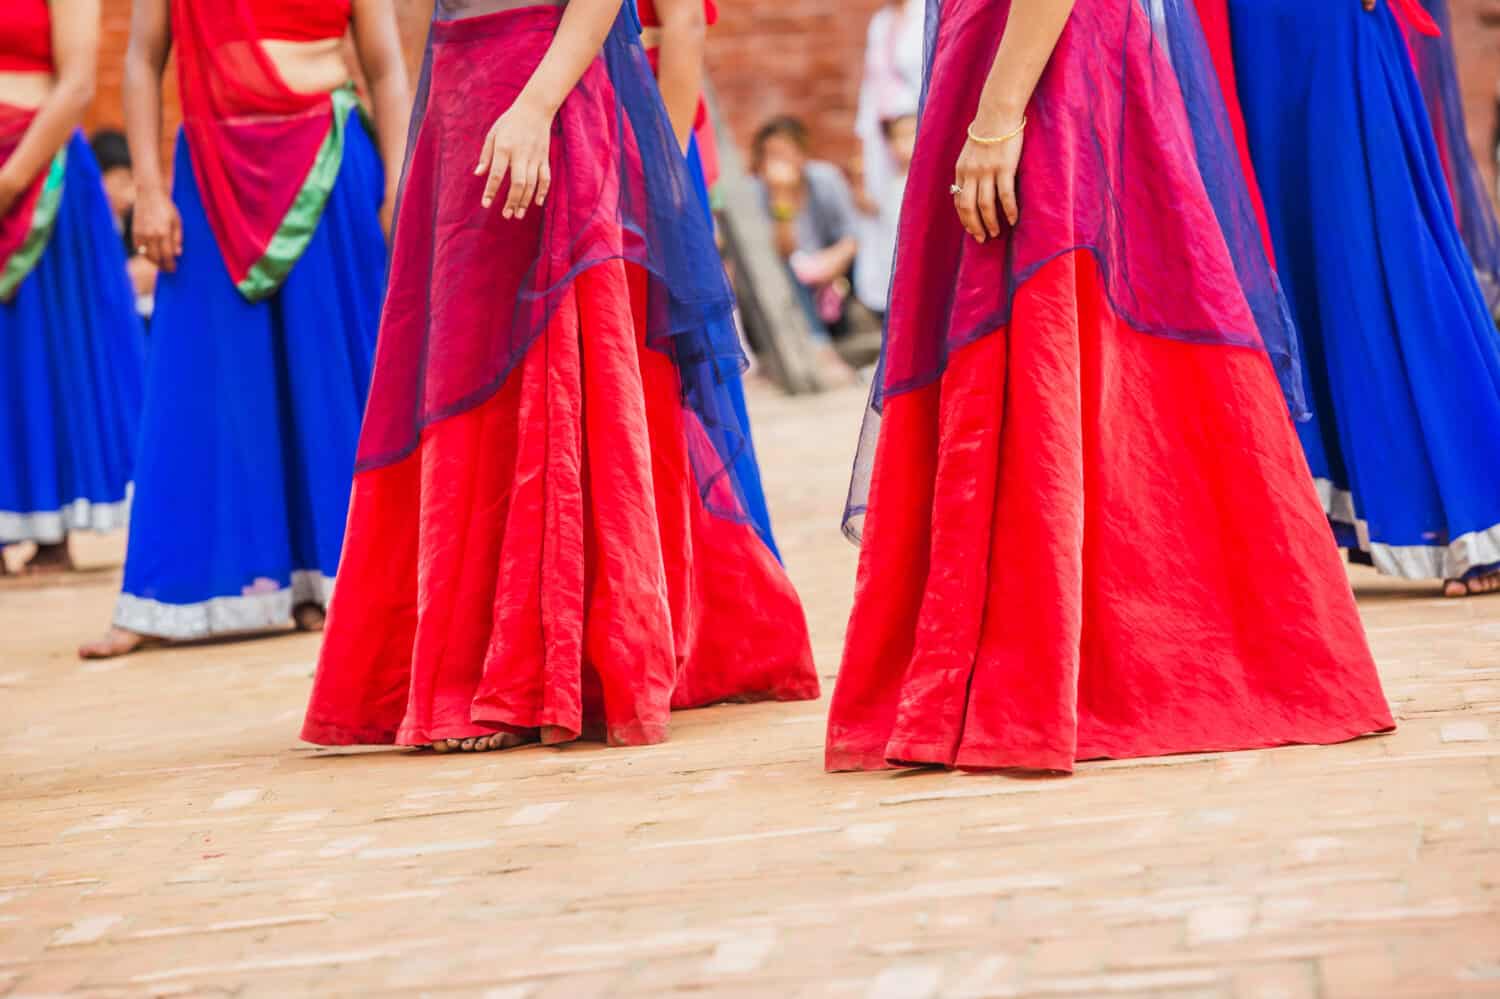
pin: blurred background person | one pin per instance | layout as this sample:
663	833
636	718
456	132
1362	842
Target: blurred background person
71	352
812	213
112	150
880	212
889	88
273	268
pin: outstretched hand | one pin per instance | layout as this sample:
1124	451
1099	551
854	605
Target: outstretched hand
520	144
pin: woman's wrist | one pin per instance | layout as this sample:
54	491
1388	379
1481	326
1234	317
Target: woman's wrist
536	98
999	114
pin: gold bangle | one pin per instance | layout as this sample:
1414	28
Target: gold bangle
988	141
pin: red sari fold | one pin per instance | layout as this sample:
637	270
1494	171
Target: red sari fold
265	156
26	229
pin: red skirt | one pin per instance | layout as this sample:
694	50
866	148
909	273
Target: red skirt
1088	542
544	561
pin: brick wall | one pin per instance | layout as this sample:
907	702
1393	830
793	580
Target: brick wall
803	57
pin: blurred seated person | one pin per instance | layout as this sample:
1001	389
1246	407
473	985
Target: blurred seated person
813	218
113	153
880	212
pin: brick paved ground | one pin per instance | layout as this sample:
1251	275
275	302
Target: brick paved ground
163	833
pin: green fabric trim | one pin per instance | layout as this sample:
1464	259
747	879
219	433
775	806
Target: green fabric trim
20	264
266	275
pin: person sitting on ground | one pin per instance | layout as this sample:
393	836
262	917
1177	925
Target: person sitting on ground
812	210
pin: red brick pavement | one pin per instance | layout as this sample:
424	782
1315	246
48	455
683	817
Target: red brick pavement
162	833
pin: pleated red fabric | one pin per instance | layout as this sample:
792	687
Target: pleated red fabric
542	561
1087	542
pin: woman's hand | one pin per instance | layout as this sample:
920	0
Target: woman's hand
1369	4
158	229
986	178
520	143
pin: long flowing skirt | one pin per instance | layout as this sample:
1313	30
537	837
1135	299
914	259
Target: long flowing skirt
1403	362
72	355
251	419
544	561
1055	561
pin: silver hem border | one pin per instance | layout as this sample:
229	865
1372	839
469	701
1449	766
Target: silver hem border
52	527
222	615
1451	561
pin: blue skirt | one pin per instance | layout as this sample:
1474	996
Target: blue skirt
1403	361
746	466
251	418
71	359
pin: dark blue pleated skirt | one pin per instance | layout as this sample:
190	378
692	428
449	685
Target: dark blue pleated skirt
251	418
746	466
1403	361
71	358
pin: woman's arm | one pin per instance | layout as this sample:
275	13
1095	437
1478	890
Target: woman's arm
379	46
75	46
520	141
157	227
986	171
680	67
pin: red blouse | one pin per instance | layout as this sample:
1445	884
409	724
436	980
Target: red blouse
26	37
301	20
650	20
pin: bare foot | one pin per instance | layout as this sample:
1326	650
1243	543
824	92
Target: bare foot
118	642
50	560
485	743
1474	586
309	617
1484	583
